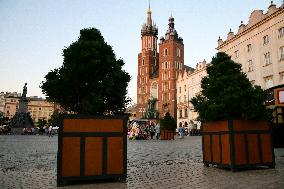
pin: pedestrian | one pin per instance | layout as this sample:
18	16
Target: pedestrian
180	131
49	131
152	130
157	130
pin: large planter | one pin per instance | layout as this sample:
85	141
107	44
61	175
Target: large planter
167	135
237	144
91	148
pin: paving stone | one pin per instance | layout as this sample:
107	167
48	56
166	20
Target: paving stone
30	162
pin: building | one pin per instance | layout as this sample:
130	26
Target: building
158	70
259	46
38	108
2	102
188	86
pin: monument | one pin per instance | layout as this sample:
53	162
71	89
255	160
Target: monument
22	118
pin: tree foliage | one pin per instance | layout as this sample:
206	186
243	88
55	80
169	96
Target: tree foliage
55	119
41	123
168	122
228	94
91	79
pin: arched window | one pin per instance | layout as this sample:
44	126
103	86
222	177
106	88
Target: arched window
165	52
180	114
143	62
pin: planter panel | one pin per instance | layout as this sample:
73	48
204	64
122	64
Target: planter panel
167	135
267	153
239	149
92	147
253	149
238	144
216	150
206	148
225	143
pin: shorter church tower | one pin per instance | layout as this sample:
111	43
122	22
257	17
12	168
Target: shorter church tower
171	64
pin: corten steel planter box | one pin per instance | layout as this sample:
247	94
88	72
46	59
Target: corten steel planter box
91	148
167	135
237	144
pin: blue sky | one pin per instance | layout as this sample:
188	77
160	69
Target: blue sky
33	33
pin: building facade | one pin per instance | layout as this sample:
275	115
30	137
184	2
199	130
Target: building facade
38	108
158	70
189	86
259	46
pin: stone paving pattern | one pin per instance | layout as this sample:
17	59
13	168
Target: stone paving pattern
30	162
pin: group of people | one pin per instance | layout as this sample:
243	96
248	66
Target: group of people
143	130
5	130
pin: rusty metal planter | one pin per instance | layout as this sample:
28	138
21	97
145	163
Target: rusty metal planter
237	144
92	147
167	135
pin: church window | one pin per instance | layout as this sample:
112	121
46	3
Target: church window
165	52
178	52
143	62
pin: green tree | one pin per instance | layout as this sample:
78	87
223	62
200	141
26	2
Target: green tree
228	94
3	119
41	123
91	79
168	122
55	119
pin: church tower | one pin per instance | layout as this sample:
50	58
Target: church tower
171	64
148	69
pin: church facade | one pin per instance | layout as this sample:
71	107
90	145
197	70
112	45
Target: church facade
158	68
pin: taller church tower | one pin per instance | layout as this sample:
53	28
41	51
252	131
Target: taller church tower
148	69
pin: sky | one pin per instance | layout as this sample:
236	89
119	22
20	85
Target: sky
34	32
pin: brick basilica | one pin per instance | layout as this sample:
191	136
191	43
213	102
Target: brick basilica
158	70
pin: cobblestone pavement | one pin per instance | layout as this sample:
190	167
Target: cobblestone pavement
30	162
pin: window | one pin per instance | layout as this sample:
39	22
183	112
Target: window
268	82
265	40
281	50
281	77
180	114
250	66
143	80
267	59
179	89
165	52
143	71
281	32
143	90
184	87
143	62
237	54
185	113
166	65
249	48
178	52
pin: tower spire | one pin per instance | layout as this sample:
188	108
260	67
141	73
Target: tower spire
149	18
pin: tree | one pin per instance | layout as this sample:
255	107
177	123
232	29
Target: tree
3	119
168	122
41	123
55	119
91	79
228	94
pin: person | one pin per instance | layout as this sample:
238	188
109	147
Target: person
152	130
158	130
49	131
180	131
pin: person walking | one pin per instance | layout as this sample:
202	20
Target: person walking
180	131
49	131
152	130
158	130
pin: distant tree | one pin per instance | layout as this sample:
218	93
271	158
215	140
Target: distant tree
228	94
2	118
41	123
168	122
55	119
91	79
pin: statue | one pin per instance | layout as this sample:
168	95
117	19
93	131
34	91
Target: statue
24	95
